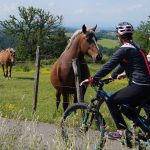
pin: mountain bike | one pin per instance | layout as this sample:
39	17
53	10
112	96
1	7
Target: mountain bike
85	124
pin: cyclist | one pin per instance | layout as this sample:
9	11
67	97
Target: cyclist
130	58
119	75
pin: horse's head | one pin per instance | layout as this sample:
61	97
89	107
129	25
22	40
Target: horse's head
88	43
11	52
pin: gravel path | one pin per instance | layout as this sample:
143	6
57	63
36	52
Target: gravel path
48	132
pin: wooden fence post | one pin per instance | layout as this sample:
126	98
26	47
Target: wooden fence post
77	73
36	78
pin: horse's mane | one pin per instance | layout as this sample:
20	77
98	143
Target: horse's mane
75	34
10	50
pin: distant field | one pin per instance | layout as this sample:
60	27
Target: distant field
108	43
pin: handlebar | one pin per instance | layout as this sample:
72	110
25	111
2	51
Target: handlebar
106	81
100	83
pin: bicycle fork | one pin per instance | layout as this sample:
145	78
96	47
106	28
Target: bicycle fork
86	122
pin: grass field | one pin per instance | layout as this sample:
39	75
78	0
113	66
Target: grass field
17	94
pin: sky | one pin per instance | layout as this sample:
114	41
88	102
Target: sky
104	13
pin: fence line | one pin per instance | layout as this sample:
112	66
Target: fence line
20	62
77	73
76	68
36	78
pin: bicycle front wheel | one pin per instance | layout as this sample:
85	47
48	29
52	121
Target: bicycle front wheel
82	128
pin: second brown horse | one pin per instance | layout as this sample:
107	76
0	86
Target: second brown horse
7	58
62	75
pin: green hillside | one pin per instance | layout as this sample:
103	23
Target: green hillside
108	43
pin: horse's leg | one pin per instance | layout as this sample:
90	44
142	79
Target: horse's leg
75	98
6	75
83	91
3	70
65	101
10	71
58	94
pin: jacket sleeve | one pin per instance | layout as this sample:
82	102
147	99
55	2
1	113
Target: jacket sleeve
117	71
110	65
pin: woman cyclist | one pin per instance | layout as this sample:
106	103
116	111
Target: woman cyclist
130	58
119	75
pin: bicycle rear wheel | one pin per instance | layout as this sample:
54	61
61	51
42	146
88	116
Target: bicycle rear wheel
147	112
82	128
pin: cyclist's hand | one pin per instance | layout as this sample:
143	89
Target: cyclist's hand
87	81
84	82
90	80
110	78
121	76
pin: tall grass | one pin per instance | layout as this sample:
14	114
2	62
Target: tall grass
24	135
15	135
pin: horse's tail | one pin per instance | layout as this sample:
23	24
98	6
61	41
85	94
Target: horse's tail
58	99
54	77
58	93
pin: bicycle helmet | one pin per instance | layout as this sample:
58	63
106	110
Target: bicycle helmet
124	28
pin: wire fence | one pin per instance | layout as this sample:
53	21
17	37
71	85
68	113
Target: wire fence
75	66
39	62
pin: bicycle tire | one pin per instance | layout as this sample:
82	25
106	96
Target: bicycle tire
83	139
147	112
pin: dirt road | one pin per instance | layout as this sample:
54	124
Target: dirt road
46	132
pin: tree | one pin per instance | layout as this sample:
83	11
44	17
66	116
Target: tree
141	34
6	41
34	27
58	42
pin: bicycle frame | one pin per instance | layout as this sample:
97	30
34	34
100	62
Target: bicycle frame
103	96
101	93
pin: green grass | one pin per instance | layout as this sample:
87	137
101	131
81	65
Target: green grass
17	94
108	43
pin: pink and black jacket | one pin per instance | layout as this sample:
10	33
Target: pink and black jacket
131	59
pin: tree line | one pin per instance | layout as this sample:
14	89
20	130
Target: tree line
37	27
34	27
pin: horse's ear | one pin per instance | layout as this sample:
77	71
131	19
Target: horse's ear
84	28
94	28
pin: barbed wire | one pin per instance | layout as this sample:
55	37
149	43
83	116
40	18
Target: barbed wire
31	61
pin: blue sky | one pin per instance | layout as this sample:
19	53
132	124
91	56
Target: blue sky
104	13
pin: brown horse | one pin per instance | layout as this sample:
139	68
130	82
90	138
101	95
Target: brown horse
7	57
62	76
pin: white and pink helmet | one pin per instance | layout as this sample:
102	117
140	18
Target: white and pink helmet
124	28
